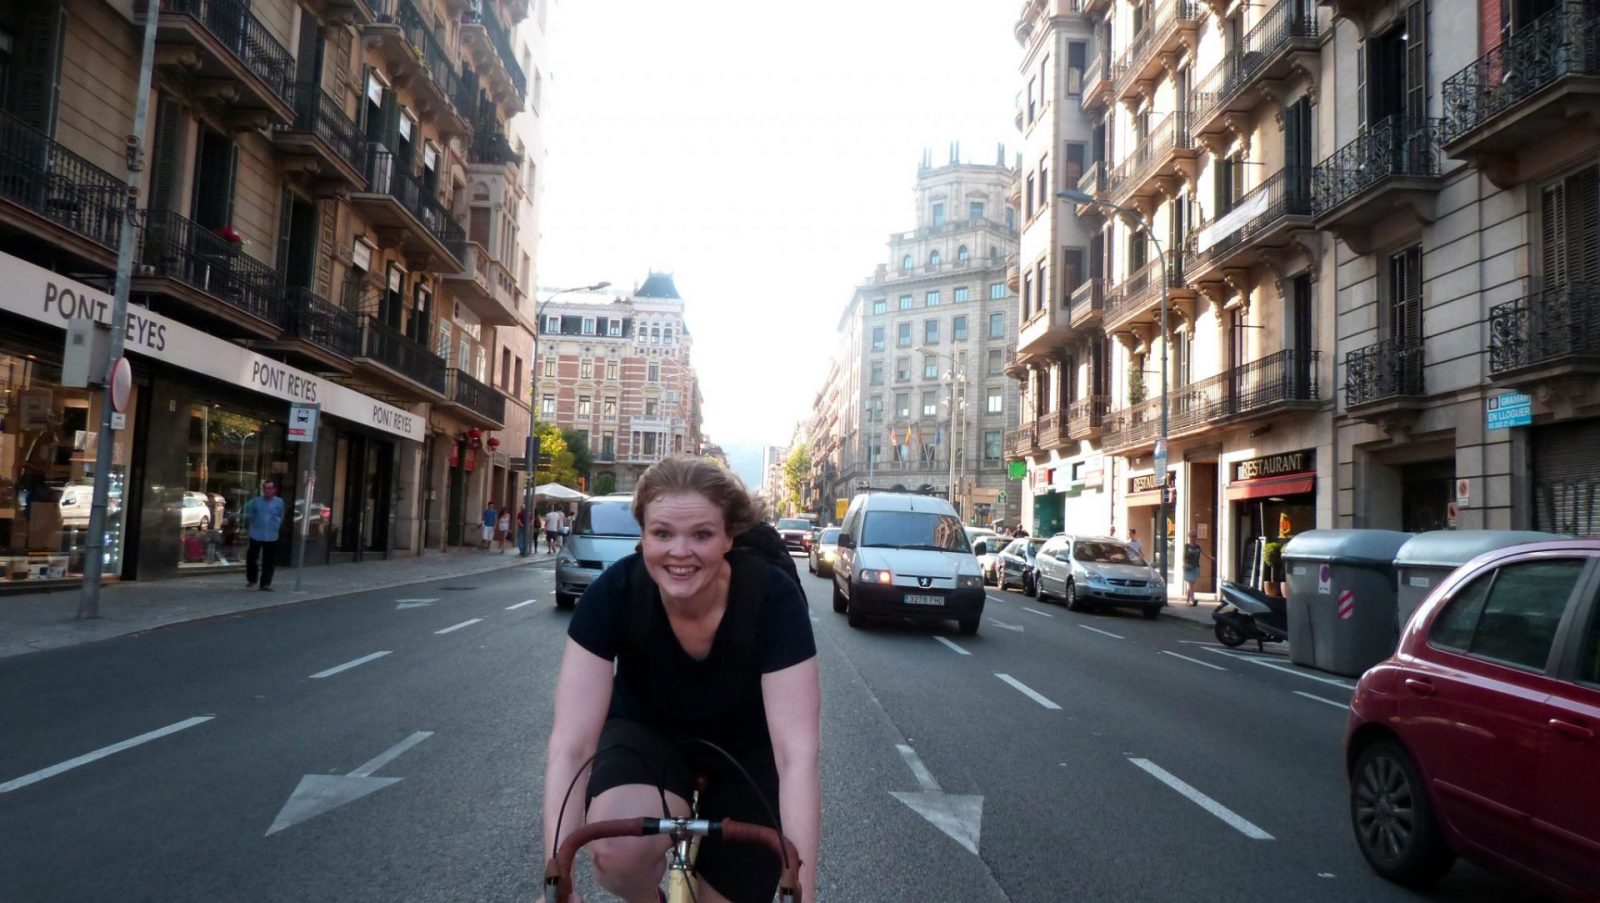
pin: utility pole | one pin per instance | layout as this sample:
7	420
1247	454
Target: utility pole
94	547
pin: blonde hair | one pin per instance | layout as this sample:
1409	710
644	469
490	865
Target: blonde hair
686	473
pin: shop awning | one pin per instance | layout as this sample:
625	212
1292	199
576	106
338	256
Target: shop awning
1287	484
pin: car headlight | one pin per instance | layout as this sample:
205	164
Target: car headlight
827	555
1096	578
566	558
969	581
876	575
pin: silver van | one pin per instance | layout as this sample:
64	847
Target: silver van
603	532
906	556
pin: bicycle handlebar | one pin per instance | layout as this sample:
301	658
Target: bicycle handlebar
558	871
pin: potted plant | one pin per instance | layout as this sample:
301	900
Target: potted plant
1272	564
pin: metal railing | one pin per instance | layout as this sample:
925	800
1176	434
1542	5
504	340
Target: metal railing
399	352
1085	415
502	46
1282	378
174	247
1550	326
1397	146
491	146
237	29
309	316
1097	74
1048	430
1286	22
474	395
1564	41
1389	369
316	113
1168	135
1093	180
430	52
1086	300
1164	21
57	184
1286	192
1263	385
1136	292
386	176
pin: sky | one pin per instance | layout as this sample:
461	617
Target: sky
761	153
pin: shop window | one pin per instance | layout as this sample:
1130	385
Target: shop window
229	455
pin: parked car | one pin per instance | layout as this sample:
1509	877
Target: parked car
196	511
1097	572
796	533
1016	564
77	499
603	532
823	550
905	556
986	545
1478	737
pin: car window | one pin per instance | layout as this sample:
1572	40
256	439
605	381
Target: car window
1518	610
913	529
830	535
1106	553
1589	652
606	519
1017	548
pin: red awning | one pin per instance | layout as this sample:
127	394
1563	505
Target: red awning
1288	484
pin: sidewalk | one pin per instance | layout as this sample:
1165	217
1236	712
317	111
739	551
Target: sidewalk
34	621
1177	607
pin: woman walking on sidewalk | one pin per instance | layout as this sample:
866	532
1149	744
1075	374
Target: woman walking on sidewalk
1192	553
502	528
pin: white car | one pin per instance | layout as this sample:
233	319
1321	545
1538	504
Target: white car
986	544
196	511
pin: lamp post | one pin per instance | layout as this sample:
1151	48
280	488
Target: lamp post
1080	197
530	446
954	376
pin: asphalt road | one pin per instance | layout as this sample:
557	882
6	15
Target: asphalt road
1055	756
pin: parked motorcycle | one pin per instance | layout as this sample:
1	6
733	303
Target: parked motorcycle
1249	614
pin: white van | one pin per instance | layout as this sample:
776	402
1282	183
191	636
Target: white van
906	556
603	532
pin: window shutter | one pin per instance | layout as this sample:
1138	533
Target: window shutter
327	230
285	227
231	179
1416	104
37	67
1553	235
1583	226
171	124
1361	88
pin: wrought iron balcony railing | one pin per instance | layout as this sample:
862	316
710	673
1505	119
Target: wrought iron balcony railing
430	51
1563	42
1141	288
237	29
1558	325
1086	301
1093	181
176	248
1391	369
1172	133
401	353
1047	430
1283	378
386	176
474	395
1085	415
1288	22
316	113
1397	146
502	46
57	184
1286	378
309	316
1166	18
1286	192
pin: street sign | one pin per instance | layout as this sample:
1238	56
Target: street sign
119	421
1161	460
121	384
1017	470
1001	496
1509	410
302	423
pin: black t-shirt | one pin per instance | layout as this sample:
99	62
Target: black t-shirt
657	683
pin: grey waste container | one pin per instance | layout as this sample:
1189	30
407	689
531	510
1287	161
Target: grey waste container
1427	558
1342	619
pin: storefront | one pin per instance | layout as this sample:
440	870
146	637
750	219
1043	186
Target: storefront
1143	502
1270	499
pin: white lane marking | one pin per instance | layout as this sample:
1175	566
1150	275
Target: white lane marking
454	627
520	604
952	645
1195	660
390	754
998	599
348	665
1004	626
1265	663
86	758
1038	612
920	771
1227	815
1333	702
1201	643
1104	632
401	604
1028	691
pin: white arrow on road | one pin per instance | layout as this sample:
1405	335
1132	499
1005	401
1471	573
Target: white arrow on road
413	603
319	793
1004	626
959	816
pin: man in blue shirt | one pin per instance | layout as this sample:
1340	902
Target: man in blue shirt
264	514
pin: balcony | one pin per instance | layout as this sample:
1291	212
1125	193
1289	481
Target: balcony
1085	417
1546	336
480	286
1140	293
474	401
1384	379
222	52
1050	431
341	12
400	360
1271	386
1386	177
490	44
417	60
1280	42
223	289
1267	217
1021	443
1141	61
1093	183
1098	85
56	197
1013	273
1047	328
491	147
1015	365
317	332
397	202
324	136
1502	111
1154	158
1086	303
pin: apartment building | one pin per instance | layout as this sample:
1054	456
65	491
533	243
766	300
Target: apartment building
620	370
921	384
317	224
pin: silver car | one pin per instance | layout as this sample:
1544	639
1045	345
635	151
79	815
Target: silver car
603	532
824	549
1094	572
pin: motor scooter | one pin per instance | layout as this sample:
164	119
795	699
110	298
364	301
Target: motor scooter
1249	614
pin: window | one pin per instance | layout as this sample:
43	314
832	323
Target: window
642	334
996	362
1044	182
880	306
666	335
611	369
1510	616
902	404
963	254
994	402
930	332
959	294
547	406
516	382
877	338
1073	161
655	335
975	210
991	445
505	367
902	369
930	368
1077	55
938	215
997	326
608	407
584	408
1027	295
877	375
997	291
902	335
549	366
608	446
588	325
613	327
1569	230
652	372
934	258
875	409
650	407
1011	219
1027	197
905	302
931	300
586	369
906	262
930	406
958	328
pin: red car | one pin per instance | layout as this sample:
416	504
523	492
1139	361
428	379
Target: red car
1480	736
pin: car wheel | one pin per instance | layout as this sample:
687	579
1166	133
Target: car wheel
968	626
824	571
1393	819
1229	635
811	566
1030	585
566	601
839	601
854	615
1151	611
1073	603
1038	588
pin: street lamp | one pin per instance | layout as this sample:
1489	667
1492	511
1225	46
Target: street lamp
529	455
950	487
1080	197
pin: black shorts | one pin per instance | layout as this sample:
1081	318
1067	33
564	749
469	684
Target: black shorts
631	753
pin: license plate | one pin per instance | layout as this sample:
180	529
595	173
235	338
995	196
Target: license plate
919	599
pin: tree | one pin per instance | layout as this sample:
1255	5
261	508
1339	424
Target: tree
578	444
555	458
796	472
605	484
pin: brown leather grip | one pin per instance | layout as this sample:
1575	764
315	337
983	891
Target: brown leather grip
559	869
744	832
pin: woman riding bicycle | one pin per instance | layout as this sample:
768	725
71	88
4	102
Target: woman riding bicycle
711	645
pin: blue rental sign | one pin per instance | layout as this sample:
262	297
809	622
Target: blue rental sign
1509	410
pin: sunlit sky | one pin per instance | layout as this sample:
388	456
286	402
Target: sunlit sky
762	153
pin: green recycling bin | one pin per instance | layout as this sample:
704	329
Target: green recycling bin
1341	600
1427	558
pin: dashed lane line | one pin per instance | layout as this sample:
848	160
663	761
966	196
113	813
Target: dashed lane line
454	627
958	649
1028	691
1333	702
1195	660
1038	612
353	663
1103	632
86	758
1228	816
520	604
1344	685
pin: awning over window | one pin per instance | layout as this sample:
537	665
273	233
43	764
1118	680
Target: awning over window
1287	484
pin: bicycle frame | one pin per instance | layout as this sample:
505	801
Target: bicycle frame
683	832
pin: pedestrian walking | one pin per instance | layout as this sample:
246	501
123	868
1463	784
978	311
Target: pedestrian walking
502	529
553	521
522	530
1134	544
1192	553
264	515
491	515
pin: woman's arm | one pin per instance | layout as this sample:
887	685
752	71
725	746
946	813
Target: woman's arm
583	693
793	699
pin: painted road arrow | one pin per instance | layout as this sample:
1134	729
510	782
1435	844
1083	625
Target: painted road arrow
957	815
1004	626
413	603
319	793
